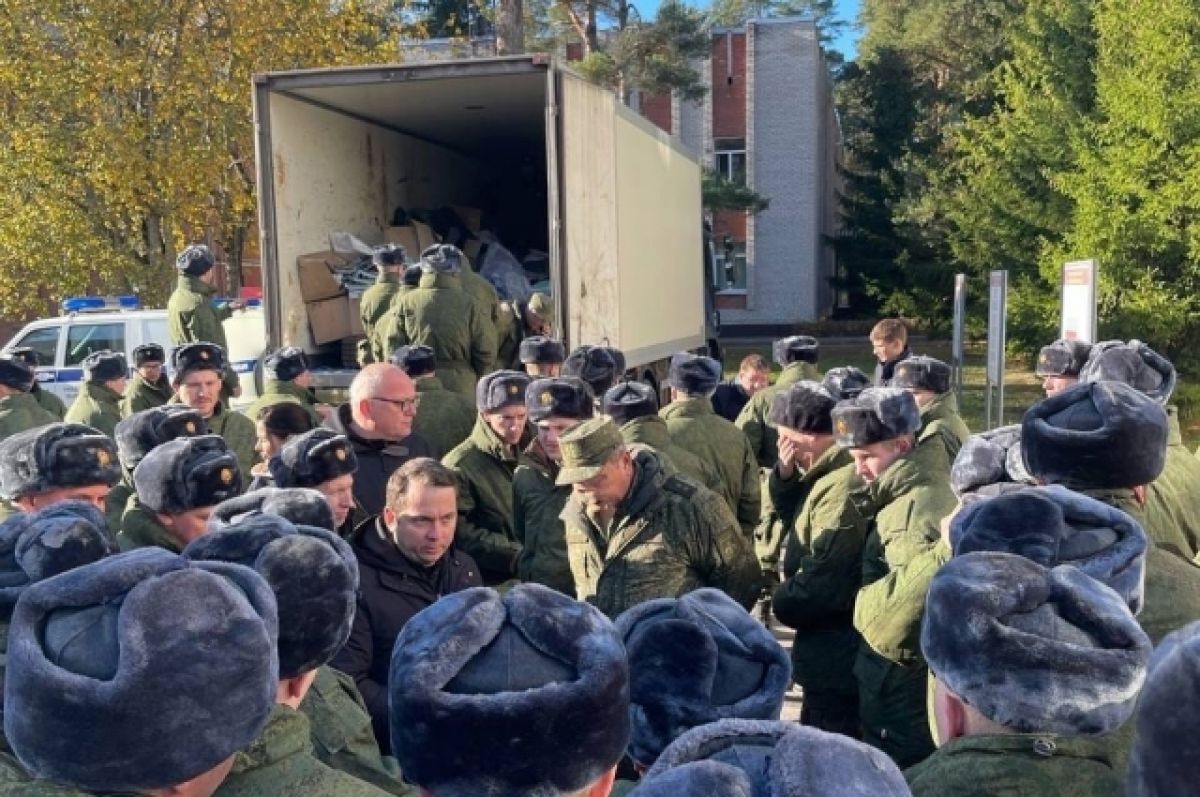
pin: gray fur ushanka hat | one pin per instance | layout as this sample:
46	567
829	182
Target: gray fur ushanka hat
541	350
1062	358
501	389
300	506
694	660
594	365
286	364
16	373
415	360
1033	649
1164	762
187	473
875	415
195	261
144	431
845	382
990	463
559	397
313	458
312	572
803	407
1134	364
628	401
796	349
709	778
503	695
139	671
104	366
693	374
922	373
58	455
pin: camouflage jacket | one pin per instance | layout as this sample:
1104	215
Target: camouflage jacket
21	411
49	401
141	529
670	536
764	440
191	317
239	434
940	417
445	417
537	525
652	431
142	395
96	406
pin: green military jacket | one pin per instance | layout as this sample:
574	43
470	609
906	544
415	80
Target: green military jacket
280	763
484	293
1174	497
48	401
904	509
276	391
141	529
764	440
670	536
485	467
1018	765
651	430
377	299
445	418
510	329
191	317
341	733
719	444
116	501
96	406
16	782
239	434
440	314
142	395
940	417
21	411
823	572
537	506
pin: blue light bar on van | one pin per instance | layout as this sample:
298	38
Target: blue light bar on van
81	304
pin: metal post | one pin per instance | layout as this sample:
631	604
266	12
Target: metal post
960	319
997	329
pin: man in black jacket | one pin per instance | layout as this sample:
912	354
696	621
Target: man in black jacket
407	560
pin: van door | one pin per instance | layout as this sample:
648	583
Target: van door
83	338
45	341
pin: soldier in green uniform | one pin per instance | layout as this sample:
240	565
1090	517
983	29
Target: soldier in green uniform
633	406
314	576
718	443
191	316
475	284
47	400
137	674
1173	498
1031	664
798	357
485	464
321	460
553	406
442	315
149	386
928	380
1164	760
288	379
376	300
19	409
196	375
137	436
1059	364
634	534
98	404
177	484
541	357
906	496
57	462
445	418
697	659
519	320
823	561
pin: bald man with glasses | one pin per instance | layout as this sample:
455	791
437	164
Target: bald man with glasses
378	421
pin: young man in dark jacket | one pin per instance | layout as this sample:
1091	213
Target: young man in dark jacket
407	560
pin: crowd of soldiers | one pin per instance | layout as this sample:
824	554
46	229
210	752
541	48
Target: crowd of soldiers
499	569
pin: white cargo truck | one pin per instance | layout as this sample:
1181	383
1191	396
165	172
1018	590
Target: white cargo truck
613	201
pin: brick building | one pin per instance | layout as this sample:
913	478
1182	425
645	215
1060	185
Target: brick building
769	119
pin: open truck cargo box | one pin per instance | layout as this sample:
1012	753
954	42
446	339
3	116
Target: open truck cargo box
556	163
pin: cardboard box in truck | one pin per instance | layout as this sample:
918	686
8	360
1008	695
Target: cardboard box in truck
316	273
329	319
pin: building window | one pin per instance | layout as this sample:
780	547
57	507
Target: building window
729	266
731	158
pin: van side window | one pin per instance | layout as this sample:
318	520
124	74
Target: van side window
154	330
85	339
45	342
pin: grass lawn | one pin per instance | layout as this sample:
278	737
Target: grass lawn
1022	389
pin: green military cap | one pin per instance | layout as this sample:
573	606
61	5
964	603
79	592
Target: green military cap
541	305
585	449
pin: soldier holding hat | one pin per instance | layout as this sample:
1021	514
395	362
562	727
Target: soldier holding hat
137	436
444	316
19	409
446	417
541	357
1030	664
322	460
822	565
288	379
553	406
141	673
48	401
1059	364
904	501
376	300
98	404
191	316
485	464
928	379
797	356
314	577
634	533
57	462
150	386
519	320
594	365
196	375
718	443
634	407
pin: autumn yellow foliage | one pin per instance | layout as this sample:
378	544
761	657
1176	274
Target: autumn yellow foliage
127	130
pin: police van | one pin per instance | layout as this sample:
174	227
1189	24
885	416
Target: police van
118	323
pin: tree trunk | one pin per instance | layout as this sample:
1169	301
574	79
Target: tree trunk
510	28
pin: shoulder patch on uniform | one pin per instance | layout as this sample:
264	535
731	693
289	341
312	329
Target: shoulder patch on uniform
679	487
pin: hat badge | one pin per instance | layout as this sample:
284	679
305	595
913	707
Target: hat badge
842	426
203	354
546	398
1045	358
340	454
514	390
190	427
103	458
226	475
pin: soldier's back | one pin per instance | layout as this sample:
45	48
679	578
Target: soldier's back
19	412
445	417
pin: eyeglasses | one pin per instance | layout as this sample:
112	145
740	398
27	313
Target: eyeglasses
405	405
